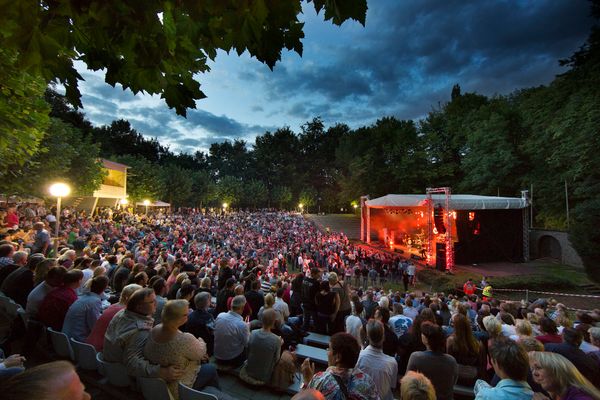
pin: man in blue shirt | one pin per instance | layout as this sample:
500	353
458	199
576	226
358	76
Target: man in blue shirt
86	310
511	364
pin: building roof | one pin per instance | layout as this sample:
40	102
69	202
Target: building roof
457	201
114	165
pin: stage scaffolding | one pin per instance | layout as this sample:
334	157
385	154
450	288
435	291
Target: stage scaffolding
447	191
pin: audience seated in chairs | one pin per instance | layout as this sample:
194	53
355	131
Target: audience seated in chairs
435	364
96	336
201	322
264	351
231	335
86	310
19	283
127	334
465	349
167	345
569	349
559	377
342	375
511	364
382	368
56	304
53	279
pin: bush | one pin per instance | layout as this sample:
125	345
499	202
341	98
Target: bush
585	236
439	281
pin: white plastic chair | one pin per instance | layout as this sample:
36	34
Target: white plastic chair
61	344
187	393
85	355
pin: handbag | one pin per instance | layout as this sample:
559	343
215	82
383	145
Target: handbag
284	371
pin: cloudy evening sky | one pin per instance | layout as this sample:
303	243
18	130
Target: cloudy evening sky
403	63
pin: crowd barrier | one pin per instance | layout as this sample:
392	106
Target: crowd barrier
527	292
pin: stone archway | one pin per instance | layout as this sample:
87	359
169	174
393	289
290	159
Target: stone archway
549	247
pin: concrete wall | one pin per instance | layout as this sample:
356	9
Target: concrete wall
553	244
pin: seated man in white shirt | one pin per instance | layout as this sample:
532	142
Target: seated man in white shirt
382	368
231	335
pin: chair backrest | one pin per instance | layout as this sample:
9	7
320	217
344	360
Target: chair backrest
187	393
61	344
116	373
8	313
154	389
85	355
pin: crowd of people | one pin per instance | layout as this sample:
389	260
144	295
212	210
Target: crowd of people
183	295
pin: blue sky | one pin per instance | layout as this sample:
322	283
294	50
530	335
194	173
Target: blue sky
403	63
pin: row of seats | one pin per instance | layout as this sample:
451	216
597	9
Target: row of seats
86	358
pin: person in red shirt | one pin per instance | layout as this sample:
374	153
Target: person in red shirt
549	332
469	287
12	219
55	305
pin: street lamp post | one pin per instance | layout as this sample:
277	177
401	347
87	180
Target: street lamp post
301	207
146	203
123	203
59	190
225	205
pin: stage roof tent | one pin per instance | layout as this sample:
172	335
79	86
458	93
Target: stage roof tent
457	201
157	203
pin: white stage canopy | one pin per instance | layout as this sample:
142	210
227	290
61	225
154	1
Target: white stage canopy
157	203
457	201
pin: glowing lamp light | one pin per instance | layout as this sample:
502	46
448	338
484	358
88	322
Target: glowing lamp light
60	189
146	203
355	206
123	202
301	205
225	205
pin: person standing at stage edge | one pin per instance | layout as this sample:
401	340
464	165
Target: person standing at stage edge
469	287
487	292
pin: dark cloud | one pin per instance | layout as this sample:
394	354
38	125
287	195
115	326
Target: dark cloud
215	124
189	142
410	52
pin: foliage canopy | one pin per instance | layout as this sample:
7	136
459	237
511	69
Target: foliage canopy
154	46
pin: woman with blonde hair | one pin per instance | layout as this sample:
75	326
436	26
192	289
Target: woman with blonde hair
167	345
269	302
416	386
523	329
559	377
